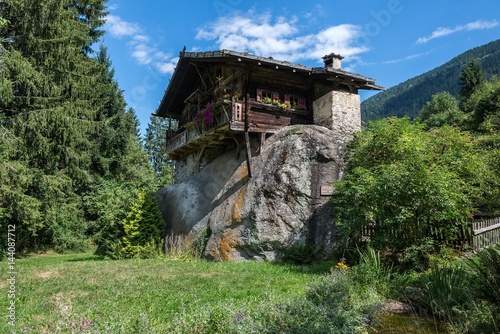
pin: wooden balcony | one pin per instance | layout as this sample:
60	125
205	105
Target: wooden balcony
228	120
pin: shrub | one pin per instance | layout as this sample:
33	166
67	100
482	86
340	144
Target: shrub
443	291
300	254
142	228
486	267
107	206
187	247
409	184
180	247
417	257
137	235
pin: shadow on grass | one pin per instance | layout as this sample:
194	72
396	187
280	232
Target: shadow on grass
314	268
54	258
87	257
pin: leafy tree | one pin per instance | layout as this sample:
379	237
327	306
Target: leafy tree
409	184
484	107
440	110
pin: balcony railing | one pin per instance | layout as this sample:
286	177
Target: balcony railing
225	112
221	114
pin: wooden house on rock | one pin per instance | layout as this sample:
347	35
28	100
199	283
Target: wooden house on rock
221	99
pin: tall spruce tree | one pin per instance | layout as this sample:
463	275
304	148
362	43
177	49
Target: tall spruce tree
155	143
65	120
471	78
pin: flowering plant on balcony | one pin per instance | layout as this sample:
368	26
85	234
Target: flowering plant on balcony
238	94
267	100
282	105
222	97
205	116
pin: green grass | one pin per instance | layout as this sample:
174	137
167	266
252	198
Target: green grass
80	293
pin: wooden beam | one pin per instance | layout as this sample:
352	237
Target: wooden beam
262	141
199	154
486	229
247	136
238	149
249	154
201	76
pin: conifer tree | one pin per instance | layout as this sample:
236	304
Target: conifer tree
156	145
64	120
471	78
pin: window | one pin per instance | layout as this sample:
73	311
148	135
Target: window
266	96
296	102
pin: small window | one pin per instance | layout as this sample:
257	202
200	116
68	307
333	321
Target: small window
296	102
266	96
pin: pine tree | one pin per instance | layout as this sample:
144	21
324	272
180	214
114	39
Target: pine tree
65	119
471	78
155	144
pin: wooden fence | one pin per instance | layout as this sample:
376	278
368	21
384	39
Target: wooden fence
484	232
479	233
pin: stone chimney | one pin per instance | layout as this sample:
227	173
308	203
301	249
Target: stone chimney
333	60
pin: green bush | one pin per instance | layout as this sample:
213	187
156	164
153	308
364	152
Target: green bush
107	206
417	257
486	267
143	228
410	185
300	254
138	234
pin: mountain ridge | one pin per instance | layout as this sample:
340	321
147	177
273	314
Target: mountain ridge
408	97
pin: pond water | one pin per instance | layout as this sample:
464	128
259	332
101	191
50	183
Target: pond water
391	323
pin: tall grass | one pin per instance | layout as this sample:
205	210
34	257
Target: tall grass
486	266
181	247
445	290
464	294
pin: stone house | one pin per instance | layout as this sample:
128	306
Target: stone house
220	100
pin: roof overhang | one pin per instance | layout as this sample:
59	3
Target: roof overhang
185	75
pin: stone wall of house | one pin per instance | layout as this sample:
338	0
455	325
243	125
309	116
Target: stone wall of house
340	112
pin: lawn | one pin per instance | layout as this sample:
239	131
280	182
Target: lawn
81	293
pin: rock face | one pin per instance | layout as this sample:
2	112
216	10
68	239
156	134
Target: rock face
281	206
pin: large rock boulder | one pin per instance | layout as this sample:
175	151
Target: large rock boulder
284	204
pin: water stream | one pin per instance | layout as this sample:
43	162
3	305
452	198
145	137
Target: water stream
392	323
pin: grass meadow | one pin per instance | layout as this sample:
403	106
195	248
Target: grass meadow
81	293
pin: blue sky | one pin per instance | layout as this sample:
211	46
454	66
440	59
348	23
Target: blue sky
389	40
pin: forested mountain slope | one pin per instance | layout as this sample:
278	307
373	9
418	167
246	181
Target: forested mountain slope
407	98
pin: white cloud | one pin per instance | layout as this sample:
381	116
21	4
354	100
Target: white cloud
167	66
141	49
119	28
281	38
444	31
410	57
113	7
